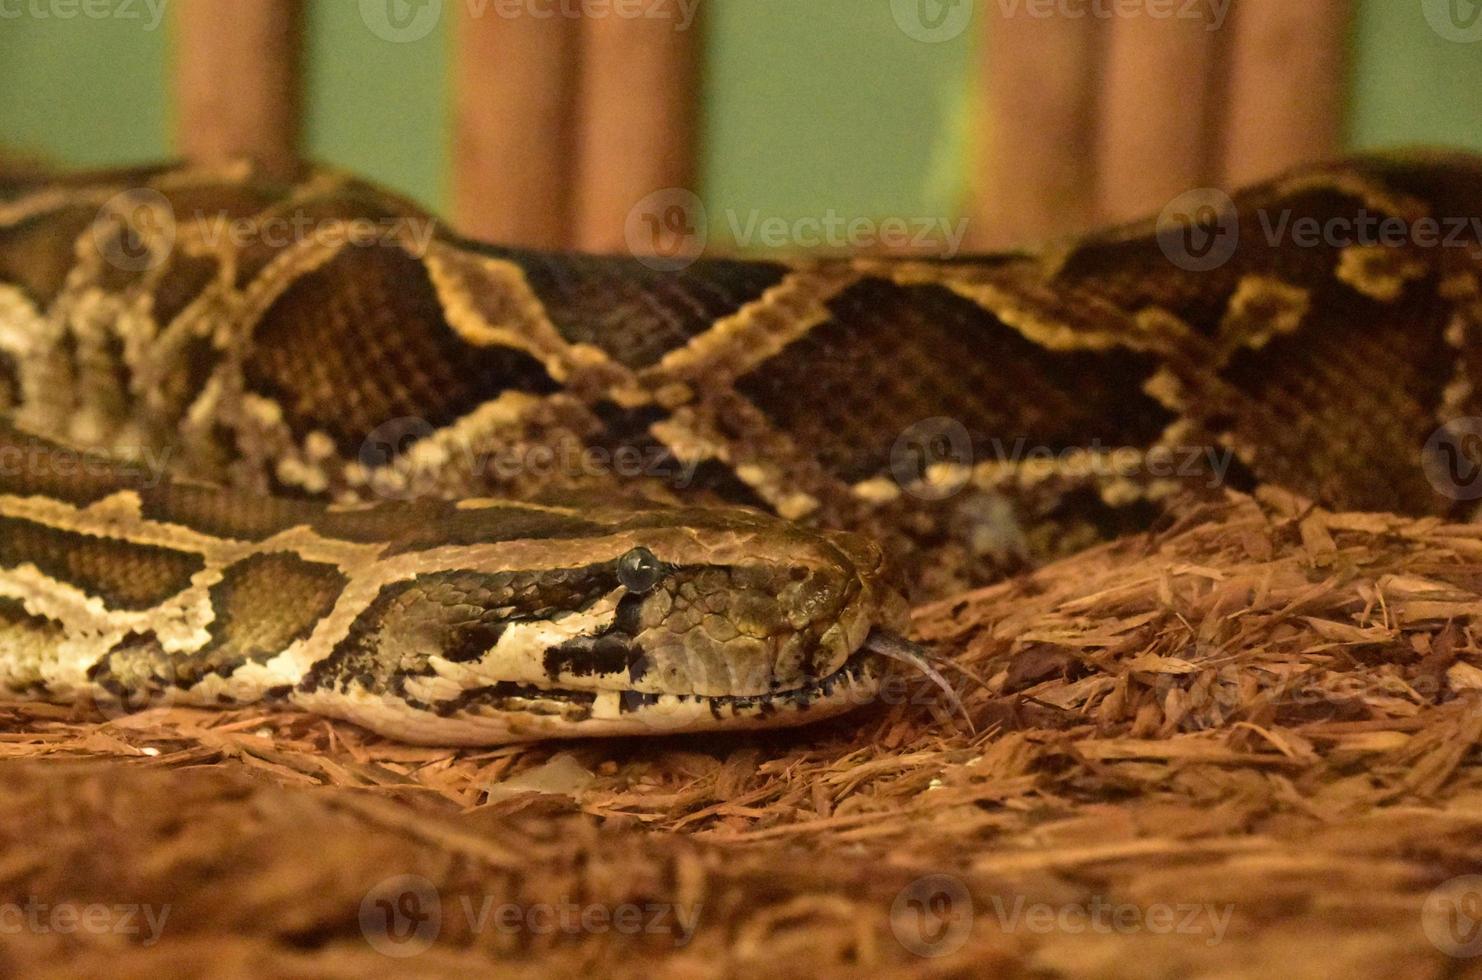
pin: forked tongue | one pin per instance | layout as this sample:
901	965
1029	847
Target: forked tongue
919	658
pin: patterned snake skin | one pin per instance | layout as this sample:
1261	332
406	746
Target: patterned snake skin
351	368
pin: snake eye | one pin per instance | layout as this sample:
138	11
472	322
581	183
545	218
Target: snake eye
639	570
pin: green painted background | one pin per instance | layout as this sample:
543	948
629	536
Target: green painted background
809	104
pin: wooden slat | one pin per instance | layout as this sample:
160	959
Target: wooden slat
637	121
513	141
1288	66
237	80
1157	136
1037	175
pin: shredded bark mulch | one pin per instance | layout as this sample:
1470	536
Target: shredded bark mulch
1243	746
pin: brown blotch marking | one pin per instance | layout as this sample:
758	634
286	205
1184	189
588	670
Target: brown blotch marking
1363	377
36	254
28	642
196	358
371	325
182	283
633	313
223	513
10	382
122	574
32	466
263	604
420	524
893	356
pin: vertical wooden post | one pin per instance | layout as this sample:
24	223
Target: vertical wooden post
1157	137
637	120
1286	87
1037	176
237	80
513	149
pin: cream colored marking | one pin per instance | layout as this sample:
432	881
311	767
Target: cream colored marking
736	344
1030	321
1260	309
877	490
519	655
1379	272
452	455
525	327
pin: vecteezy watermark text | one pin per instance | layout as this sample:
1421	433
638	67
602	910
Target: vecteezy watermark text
935	915
669	229
150	12
411	20
402	916
94	918
922	235
137	229
1212	12
1102	916
1201	230
937	457
64	463
407	446
281	231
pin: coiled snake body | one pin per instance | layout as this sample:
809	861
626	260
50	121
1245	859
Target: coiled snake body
481	495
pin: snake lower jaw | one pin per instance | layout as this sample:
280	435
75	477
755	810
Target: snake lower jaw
508	713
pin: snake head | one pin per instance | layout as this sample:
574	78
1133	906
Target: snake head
611	623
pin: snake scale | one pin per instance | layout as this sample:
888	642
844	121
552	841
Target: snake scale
295	442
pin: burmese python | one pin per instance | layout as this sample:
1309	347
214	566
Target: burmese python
351	368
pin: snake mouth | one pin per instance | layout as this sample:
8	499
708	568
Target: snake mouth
514	712
852	684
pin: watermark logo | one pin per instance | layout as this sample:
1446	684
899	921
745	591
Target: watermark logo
1452	916
933	459
150	12
932	21
1199	230
135	229
1455	20
1212	12
932	916
401	21
391	440
401	916
1452	459
667	230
